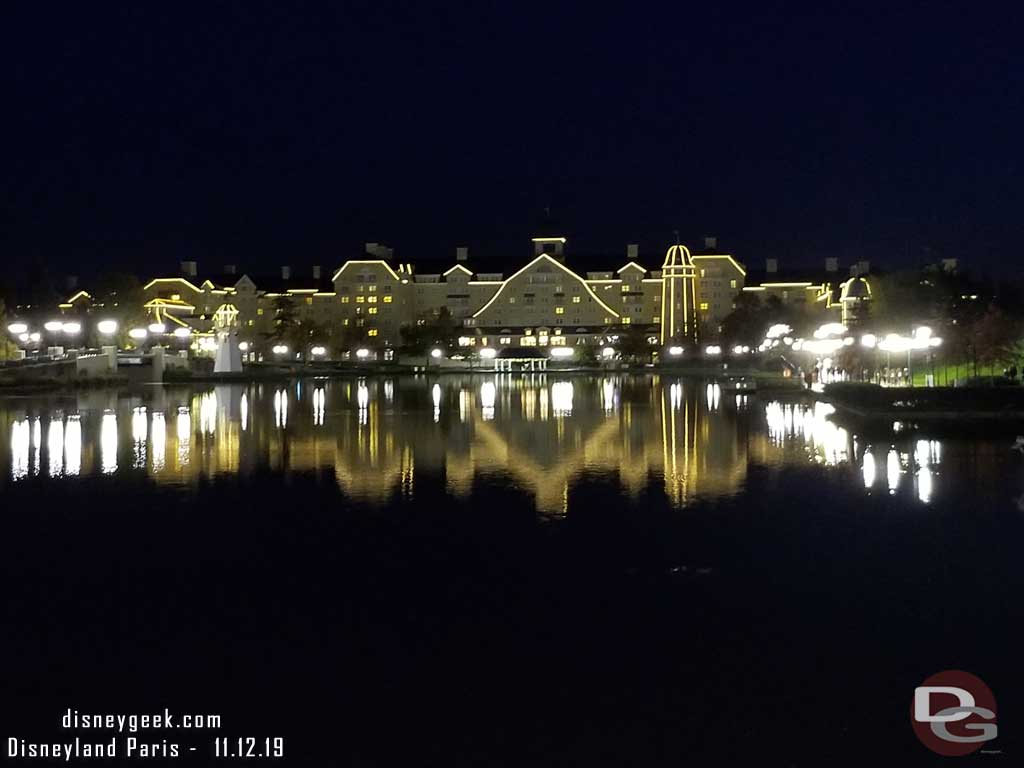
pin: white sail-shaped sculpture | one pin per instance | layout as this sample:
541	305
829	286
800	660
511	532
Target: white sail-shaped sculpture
229	357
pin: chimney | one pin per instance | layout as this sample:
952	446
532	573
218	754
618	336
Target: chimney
71	282
771	266
316	271
462	253
632	252
831	264
710	243
229	269
286	273
189	268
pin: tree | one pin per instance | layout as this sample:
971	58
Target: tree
633	344
995	336
746	323
121	298
8	349
440	331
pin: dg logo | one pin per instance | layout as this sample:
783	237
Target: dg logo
954	713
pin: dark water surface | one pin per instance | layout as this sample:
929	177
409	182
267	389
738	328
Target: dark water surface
503	571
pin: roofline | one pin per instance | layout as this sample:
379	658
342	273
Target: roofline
735	263
156	280
530	264
345	266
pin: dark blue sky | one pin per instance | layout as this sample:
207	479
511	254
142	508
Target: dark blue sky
264	133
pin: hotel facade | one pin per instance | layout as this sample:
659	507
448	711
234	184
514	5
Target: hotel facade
547	301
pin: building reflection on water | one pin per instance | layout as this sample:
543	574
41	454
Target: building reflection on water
541	432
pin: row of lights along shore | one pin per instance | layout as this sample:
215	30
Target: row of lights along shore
828	338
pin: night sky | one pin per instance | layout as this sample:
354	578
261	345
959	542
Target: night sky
268	133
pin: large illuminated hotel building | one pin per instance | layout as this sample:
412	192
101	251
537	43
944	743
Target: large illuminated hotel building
547	300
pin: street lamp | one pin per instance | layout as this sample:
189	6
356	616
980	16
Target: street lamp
107	327
71	328
16	329
53	326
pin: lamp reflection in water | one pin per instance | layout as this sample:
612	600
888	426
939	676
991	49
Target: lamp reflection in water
714	395
108	443
55	445
561	398
281	409
243	408
37	442
319	402
926	454
184	433
158	431
435	395
868	469
20	447
827	442
73	446
140	431
675	392
487	397
363	401
608	395
208	413
892	469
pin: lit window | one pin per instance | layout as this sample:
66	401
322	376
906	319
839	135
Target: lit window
559	310
372	332
259	311
373	289
575	299
656	319
704	306
627	320
732	283
373	310
345	321
309	299
344	299
387	299
175	297
360	299
511	299
625	288
528	341
505	340
251	322
372	299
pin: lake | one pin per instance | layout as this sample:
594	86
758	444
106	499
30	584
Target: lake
503	570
